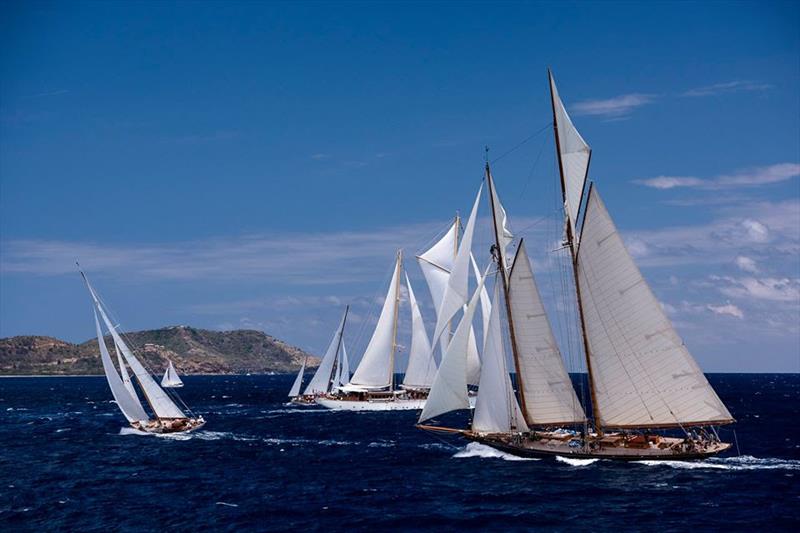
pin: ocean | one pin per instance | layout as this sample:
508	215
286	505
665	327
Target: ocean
68	462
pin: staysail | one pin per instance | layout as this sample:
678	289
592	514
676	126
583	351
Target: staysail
549	395
421	368
126	378
298	381
573	156
171	378
127	401
436	264
321	382
449	391
343	372
496	408
376	369
643	374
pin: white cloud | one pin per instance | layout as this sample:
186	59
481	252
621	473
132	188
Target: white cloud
747	264
752	177
616	107
756	231
727	309
727	87
771	289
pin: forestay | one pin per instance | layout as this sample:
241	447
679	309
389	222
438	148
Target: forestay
574	155
421	368
449	390
549	395
127	401
643	374
321	381
496	408
375	371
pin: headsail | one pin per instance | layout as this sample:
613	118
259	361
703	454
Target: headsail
321	382
126	378
436	264
128	402
344	366
573	156
643	374
449	390
496	408
421	368
549	395
298	381
171	378
503	235
376	369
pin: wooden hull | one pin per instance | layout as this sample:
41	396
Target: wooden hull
539	445
177	426
302	401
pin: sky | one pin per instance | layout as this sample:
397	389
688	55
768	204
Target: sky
256	165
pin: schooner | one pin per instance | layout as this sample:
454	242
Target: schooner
649	398
168	416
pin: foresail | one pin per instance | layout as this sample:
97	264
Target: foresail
344	376
643	374
298	381
548	392
436	264
321	382
421	368
574	155
127	402
375	369
449	390
496	408
456	293
126	378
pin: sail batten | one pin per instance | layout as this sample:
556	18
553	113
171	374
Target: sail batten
643	374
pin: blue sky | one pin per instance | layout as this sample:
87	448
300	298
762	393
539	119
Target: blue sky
255	165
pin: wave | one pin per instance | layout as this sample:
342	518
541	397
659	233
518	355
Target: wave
743	462
381	444
226	504
197	435
573	461
476	449
279	441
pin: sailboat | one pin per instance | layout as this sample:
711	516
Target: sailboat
372	386
171	380
649	398
167	417
333	370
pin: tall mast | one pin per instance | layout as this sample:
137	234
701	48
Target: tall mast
504	276
574	255
398	267
457	226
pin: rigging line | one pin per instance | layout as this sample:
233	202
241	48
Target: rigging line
533	169
521	143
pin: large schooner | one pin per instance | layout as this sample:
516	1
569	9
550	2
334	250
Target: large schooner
168	416
649	398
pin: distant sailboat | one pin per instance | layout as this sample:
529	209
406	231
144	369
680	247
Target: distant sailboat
332	369
171	379
642	378
168	417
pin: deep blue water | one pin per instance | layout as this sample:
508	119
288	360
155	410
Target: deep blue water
66	463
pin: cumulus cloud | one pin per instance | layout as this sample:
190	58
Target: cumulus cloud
616	107
771	289
727	309
752	177
747	264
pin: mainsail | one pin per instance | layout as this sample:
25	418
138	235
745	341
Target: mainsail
574	156
171	378
126	399
321	382
549	395
496	408
449	391
643	374
376	369
298	381
421	368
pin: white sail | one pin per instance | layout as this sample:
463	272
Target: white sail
548	392
503	234
449	390
298	381
321	382
496	408
574	155
643	374
171	378
486	304
375	371
126	378
128	402
436	264
344	366
456	293
421	366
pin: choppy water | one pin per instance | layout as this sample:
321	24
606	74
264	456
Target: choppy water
68	462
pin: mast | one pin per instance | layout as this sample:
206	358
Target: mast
574	256
398	267
504	276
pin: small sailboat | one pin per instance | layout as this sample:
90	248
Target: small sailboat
372	386
167	416
333	370
171	380
649	398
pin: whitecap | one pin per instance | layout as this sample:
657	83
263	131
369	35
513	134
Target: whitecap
226	504
476	449
574	461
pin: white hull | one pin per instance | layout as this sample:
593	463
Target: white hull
377	404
